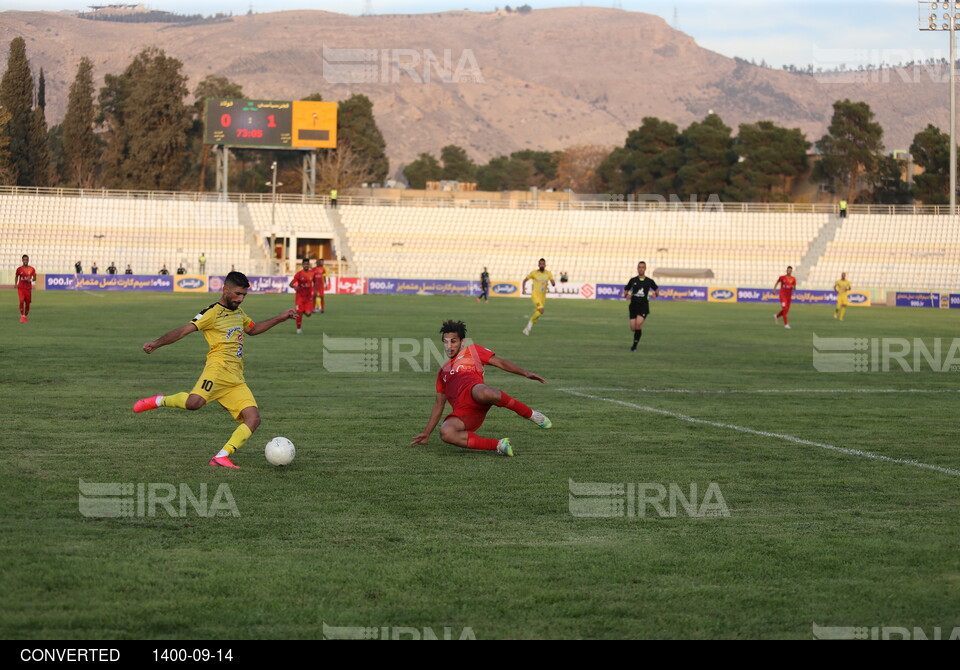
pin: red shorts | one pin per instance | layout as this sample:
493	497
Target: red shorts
468	410
472	418
304	304
26	294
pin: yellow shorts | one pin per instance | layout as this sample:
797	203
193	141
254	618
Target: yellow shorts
842	301
539	301
227	389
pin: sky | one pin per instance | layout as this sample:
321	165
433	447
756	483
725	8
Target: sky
825	34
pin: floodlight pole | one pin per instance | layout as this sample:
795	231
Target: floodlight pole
930	20
953	117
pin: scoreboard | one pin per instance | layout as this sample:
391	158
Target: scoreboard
270	124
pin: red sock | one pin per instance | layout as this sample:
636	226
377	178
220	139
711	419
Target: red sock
474	441
299	320
780	313
785	322
515	405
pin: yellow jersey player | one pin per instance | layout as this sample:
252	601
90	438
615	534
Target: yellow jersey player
842	287
224	325
539	277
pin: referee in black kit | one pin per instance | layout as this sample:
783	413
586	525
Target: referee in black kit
639	289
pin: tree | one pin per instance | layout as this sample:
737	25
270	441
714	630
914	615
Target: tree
357	127
771	157
457	165
707	158
16	97
646	163
147	123
931	151
7	175
505	174
887	184
579	168
850	148
81	149
419	172
41	164
543	165
342	168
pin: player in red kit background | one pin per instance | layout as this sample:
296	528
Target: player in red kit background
460	381
787	283
302	283
319	285
26	275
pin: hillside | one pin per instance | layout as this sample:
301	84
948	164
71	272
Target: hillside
550	79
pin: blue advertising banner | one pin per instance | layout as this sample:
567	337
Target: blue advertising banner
108	282
800	297
257	284
609	292
681	293
918	299
438	286
615	292
955	301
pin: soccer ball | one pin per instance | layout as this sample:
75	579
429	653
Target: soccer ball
280	451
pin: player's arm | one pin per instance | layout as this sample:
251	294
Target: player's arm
293	283
507	366
264	326
434	419
171	337
775	285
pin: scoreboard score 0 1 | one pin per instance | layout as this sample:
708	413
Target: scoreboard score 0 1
270	124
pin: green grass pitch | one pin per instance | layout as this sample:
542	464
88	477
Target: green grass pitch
365	530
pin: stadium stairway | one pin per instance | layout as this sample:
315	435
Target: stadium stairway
259	255
817	248
333	214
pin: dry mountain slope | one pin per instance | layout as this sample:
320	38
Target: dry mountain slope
550	79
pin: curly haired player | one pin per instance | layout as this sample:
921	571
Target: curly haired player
460	381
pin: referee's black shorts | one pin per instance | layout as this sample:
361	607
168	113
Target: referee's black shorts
639	309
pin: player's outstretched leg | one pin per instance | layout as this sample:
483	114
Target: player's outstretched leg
454	431
487	395
177	400
250	420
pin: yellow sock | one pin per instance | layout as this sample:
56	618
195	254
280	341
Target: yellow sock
178	400
536	316
843	310
238	439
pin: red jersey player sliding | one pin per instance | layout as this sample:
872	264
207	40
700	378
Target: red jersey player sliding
460	381
787	283
26	275
302	283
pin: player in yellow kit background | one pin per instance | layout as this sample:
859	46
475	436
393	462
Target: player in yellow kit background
842	287
224	325
538	291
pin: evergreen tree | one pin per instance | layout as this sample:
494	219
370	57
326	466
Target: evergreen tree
7	175
81	148
771	157
505	174
419	172
646	163
16	97
147	123
850	149
931	151
543	163
707	159
41	165
357	127
457	165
